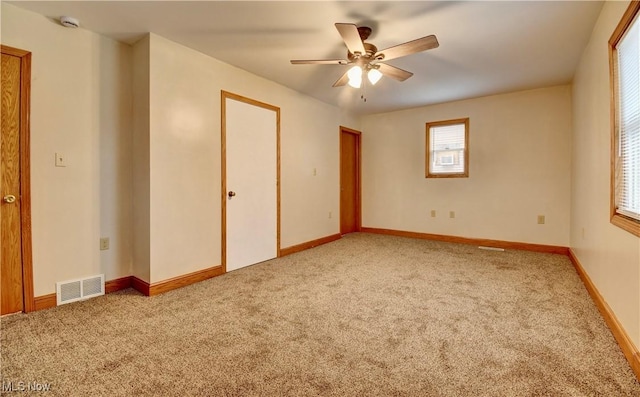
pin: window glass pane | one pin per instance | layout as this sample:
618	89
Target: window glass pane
446	149
628	121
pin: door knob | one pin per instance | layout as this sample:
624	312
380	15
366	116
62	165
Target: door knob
231	193
9	199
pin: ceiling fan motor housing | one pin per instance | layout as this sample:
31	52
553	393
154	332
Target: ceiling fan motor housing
368	55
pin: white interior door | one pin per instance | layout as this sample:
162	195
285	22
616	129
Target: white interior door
251	181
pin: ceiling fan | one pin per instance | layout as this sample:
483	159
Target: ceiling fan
367	59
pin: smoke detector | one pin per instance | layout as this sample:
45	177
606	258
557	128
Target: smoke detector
69	22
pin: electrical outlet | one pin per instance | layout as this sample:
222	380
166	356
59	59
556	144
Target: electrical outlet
433	213
540	219
452	214
315	172
330	214
583	233
60	160
104	243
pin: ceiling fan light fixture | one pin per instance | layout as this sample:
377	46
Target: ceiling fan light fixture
355	73
355	76
374	76
355	83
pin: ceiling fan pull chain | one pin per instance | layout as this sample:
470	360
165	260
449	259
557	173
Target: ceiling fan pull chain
363	94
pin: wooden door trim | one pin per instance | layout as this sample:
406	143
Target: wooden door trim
358	136
25	174
224	95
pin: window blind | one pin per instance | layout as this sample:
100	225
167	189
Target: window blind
447	143
628	161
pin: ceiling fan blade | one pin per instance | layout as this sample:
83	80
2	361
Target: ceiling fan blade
408	48
343	80
351	37
319	61
394	72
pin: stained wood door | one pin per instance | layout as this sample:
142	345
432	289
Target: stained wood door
349	180
251	182
11	288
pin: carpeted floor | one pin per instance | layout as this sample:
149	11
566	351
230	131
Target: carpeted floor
367	315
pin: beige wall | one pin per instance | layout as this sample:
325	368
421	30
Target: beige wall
185	158
610	255
519	168
141	165
81	107
83	90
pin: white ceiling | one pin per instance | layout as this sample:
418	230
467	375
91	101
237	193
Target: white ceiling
485	47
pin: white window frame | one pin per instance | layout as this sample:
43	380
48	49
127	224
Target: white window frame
618	217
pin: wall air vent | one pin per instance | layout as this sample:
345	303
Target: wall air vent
79	289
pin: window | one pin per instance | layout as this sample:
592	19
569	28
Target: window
448	149
624	61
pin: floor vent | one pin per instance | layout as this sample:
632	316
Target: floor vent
80	289
491	248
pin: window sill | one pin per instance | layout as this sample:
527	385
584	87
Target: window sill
630	225
447	175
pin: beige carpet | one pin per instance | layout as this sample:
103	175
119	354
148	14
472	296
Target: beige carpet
367	315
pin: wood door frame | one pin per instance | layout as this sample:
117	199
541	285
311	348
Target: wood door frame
224	95
358	136
25	174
